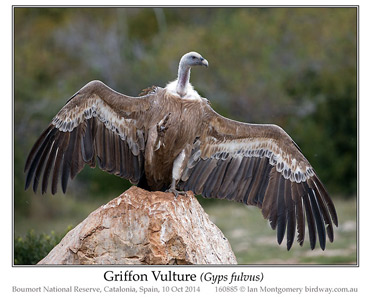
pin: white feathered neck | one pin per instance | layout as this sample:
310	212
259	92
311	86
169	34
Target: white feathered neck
181	86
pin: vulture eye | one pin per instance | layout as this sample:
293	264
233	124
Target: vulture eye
193	57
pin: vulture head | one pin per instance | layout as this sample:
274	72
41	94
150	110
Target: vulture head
192	59
181	86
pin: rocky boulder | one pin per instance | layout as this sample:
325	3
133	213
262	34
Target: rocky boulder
141	227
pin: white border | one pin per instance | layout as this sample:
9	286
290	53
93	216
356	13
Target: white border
85	276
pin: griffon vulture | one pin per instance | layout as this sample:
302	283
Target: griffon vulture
171	139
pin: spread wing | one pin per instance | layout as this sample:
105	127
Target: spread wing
96	123
260	165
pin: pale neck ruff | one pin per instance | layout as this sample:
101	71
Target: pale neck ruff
190	92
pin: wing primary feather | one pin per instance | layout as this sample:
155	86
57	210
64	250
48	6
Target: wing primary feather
36	146
87	142
123	172
261	180
269	204
220	175
117	156
310	220
141	166
247	198
324	210
98	142
36	159
237	182
231	172
109	151
42	160
112	153
101	145
214	179
67	159
194	177
136	170
300	189
240	172
291	222
327	199
58	159
273	214
208	168
134	164
120	158
264	184
244	179
281	209
50	163
94	129
317	216
209	182
128	168
77	163
300	216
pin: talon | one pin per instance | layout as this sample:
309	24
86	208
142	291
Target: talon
176	192
167	118
162	126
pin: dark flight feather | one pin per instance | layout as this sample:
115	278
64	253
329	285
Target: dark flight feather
219	176
281	210
264	184
49	165
317	216
208	168
88	141
327	199
36	147
300	216
323	210
77	162
37	152
310	221
260	179
58	161
230	173
41	162
66	169
291	221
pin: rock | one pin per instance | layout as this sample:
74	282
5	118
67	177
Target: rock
141	227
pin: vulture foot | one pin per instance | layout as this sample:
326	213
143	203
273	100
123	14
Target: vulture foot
176	192
162	126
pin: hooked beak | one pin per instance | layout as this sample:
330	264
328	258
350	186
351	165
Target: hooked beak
204	62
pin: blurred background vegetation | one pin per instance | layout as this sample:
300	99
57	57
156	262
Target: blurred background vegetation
295	67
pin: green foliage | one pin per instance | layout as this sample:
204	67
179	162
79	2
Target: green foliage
31	248
328	135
